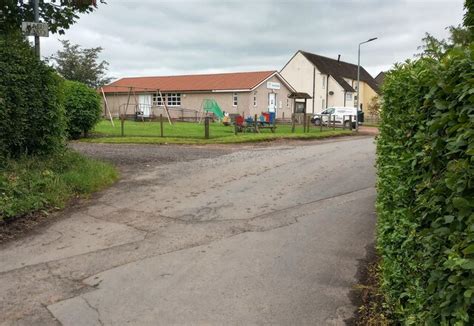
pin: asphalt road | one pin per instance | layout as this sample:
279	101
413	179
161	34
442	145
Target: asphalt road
242	235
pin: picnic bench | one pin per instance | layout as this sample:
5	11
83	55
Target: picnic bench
255	124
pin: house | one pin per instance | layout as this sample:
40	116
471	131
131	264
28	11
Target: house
379	78
330	82
246	93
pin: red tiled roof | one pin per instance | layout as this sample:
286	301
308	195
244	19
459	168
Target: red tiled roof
208	82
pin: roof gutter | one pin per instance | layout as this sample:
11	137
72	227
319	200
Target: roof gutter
230	90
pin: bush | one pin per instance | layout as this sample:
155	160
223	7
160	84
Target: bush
83	109
425	189
33	183
31	114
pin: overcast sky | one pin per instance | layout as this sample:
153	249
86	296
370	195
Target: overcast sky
152	37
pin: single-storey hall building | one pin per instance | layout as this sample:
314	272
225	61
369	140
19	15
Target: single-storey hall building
330	82
247	93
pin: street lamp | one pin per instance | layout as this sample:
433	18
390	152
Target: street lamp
358	80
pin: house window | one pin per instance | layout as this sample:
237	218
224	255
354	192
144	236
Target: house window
174	99
234	99
324	82
254	99
348	96
157	100
355	101
287	102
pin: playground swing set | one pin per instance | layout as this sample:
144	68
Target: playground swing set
138	106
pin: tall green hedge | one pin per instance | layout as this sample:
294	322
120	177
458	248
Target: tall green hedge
83	109
31	113
425	190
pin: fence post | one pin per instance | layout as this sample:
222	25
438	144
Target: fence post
320	123
122	122
343	121
308	124
161	125
350	122
304	122
206	128
334	122
283	117
293	123
255	122
235	128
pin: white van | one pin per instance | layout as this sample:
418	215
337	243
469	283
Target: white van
342	115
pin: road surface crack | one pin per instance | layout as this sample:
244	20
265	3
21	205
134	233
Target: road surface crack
95	309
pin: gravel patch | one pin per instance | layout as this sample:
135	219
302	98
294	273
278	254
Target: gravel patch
131	156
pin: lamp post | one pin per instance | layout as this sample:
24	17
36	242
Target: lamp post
358	81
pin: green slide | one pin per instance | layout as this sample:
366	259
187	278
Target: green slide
210	105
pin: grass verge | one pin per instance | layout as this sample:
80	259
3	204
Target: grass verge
193	133
33	184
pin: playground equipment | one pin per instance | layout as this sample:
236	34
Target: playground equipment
210	105
138	106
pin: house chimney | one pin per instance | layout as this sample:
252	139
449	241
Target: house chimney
338	57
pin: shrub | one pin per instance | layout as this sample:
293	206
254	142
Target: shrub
425	189
83	109
31	114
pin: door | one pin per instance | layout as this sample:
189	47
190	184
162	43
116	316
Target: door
144	104
272	106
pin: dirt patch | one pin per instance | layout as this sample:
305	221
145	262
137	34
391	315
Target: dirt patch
369	131
367	295
13	228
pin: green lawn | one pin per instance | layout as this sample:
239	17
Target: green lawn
31	184
193	133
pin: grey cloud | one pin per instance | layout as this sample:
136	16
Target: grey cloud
180	37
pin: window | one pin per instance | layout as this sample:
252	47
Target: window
174	99
254	99
234	99
324	82
348	96
157	100
287	102
355	101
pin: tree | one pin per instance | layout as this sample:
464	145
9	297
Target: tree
83	110
461	35
59	14
468	20
434	48
374	106
75	63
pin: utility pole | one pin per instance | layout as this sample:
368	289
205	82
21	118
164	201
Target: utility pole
37	38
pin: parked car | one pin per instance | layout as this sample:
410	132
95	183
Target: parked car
342	115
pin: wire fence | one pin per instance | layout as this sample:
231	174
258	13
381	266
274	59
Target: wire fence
209	128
